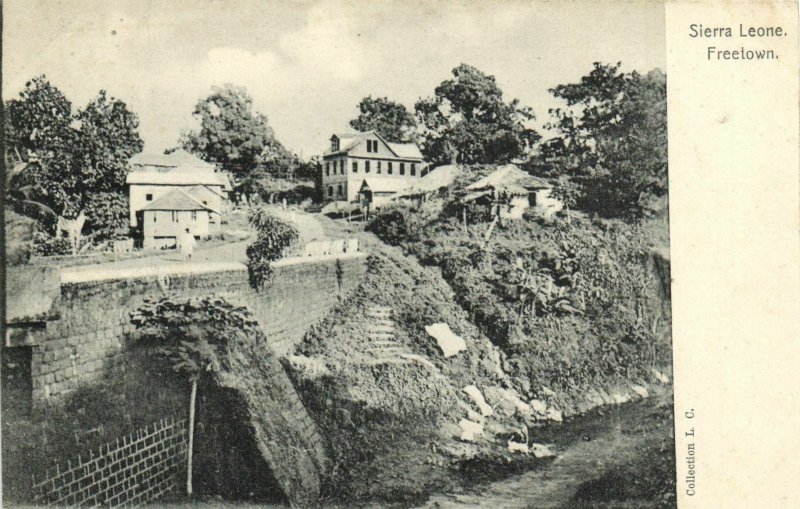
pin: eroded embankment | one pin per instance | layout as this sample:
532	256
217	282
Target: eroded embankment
284	433
393	410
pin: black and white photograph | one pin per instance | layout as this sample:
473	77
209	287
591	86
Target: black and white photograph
337	254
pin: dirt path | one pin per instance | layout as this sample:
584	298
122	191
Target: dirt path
616	437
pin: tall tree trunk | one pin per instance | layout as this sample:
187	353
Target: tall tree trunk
191	438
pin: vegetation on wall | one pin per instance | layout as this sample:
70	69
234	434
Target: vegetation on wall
190	335
273	236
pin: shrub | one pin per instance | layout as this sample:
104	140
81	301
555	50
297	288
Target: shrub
273	236
46	245
390	224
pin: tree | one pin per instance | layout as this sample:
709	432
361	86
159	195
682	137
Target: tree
273	236
192	336
467	121
612	143
234	136
78	156
389	119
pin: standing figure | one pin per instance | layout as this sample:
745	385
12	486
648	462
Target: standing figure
187	245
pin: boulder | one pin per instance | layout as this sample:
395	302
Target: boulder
448	342
541	451
518	447
475	393
470	431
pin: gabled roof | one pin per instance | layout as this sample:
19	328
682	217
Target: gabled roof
197	190
405	150
410	150
510	179
177	200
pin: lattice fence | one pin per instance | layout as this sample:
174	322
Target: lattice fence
130	472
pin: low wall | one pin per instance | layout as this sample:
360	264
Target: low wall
89	384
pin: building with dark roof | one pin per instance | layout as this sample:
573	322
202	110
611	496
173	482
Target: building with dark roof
366	165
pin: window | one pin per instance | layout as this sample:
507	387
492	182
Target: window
369	145
372	145
174	216
205	202
402	168
413	169
389	169
379	167
355	166
327	169
194	215
334	144
340	193
330	191
148	197
366	166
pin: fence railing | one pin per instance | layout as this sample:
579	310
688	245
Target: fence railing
129	472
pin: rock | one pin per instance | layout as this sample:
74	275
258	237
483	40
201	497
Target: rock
660	376
500	401
520	406
640	391
471	414
310	367
518	447
541	451
470	431
554	415
620	399
475	393
448	342
539	407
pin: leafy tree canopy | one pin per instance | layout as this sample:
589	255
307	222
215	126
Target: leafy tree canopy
235	136
79	156
611	148
389	119
467	121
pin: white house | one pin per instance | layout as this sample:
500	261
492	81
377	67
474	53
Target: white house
166	218
365	164
155	175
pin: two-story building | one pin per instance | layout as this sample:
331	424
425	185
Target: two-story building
155	175
365	165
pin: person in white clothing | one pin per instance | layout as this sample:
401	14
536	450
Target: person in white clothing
187	245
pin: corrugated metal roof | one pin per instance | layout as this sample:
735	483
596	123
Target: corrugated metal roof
177	200
438	178
174	159
178	177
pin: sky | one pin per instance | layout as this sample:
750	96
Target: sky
307	64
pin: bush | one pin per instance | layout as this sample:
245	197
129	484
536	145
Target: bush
273	236
46	245
390	224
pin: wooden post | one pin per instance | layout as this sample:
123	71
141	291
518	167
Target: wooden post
191	438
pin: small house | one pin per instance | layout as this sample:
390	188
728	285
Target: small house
168	217
513	192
